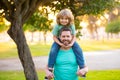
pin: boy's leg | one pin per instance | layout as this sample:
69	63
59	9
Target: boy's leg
79	54
53	54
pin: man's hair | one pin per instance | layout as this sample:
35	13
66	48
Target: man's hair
65	29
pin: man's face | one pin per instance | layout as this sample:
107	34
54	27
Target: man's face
66	37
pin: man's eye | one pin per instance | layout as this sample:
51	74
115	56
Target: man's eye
68	36
63	36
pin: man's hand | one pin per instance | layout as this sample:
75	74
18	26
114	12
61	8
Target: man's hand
49	74
82	71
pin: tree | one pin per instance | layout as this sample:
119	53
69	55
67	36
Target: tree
17	12
39	21
113	27
33	23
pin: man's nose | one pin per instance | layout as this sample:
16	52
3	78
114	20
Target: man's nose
65	38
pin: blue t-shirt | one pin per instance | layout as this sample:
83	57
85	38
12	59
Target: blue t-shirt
65	67
56	29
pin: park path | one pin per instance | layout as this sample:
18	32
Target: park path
97	60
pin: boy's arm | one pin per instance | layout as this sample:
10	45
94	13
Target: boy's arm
72	42
57	41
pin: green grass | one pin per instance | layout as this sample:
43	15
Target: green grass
92	75
95	45
104	75
8	49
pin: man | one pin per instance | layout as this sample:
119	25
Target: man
66	67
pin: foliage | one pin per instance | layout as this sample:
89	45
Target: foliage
82	7
78	27
38	22
32	23
113	27
96	7
3	26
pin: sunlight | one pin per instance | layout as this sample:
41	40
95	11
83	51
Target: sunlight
6	22
84	24
1	10
98	22
115	11
51	15
106	15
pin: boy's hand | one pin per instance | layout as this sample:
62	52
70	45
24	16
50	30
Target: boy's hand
69	45
62	45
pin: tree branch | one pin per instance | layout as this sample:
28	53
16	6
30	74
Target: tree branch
7	4
30	11
18	2
25	7
34	5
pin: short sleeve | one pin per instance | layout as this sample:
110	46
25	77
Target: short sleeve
55	30
73	29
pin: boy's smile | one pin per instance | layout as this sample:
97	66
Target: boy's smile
64	21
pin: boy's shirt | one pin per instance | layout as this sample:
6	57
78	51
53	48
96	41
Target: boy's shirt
56	30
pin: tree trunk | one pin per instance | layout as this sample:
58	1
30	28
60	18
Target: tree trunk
32	36
17	34
45	37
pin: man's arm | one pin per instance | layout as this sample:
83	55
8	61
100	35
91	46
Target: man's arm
49	73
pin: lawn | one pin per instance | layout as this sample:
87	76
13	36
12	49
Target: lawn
8	49
92	75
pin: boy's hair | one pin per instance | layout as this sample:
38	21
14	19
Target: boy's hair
68	14
65	29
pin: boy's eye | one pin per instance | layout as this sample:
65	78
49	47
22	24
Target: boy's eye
64	18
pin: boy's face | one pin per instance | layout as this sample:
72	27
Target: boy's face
64	20
66	37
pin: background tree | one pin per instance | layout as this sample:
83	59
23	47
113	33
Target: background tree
113	16
33	23
17	12
39	22
45	22
113	27
82	7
